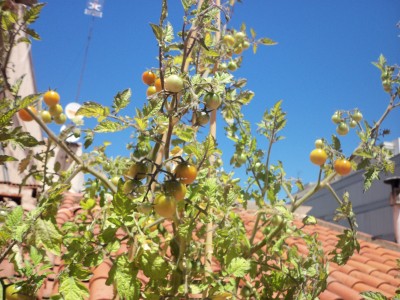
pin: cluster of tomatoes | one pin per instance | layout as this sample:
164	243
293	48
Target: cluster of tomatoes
235	44
175	84
343	123
54	112
318	156
171	192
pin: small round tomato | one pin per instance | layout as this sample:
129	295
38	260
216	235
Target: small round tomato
175	189
173	83
229	40
136	171
185	172
357	116
55	110
239	36
164	206
238	50
13	293
336	118
51	98
130	186
212	100
318	156
319	144
157	84
115	180
25	116
46	117
60	119
148	77
202	118
246	45
342	166
223	66
232	66
342	128
151	90
353	123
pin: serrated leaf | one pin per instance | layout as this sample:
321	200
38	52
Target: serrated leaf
109	126
121	100
123	275
24	163
32	14
373	296
93	110
88	139
238	267
14	218
153	265
48	235
71	289
32	33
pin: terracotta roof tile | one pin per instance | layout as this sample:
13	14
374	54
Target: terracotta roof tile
374	268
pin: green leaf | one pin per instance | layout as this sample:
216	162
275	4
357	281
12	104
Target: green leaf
121	100
93	109
157	30
373	296
109	126
48	235
238	267
5	158
14	218
88	139
267	41
123	275
72	289
5	118
33	34
32	14
153	265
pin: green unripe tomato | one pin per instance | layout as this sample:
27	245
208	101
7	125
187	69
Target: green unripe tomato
173	83
357	116
352	123
239	36
55	110
46	116
336	118
229	40
246	45
212	101
232	66
13	293
342	128
60	119
115	180
223	66
202	118
319	144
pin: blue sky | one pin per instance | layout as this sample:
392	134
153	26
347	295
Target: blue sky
322	63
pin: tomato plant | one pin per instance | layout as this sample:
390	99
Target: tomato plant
175	170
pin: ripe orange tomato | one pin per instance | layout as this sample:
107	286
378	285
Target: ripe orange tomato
318	156
342	166
185	173
164	206
157	84
24	115
148	77
175	189
51	98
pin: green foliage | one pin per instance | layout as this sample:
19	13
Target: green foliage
177	254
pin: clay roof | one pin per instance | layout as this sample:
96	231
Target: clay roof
374	268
